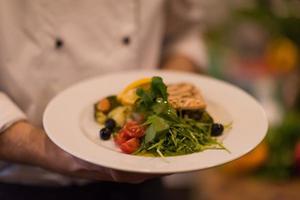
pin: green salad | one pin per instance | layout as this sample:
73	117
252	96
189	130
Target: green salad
142	121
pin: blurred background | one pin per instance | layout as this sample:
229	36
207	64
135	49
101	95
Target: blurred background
254	44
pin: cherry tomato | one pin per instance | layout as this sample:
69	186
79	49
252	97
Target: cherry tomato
120	138
130	145
133	129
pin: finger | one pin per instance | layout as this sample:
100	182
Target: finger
87	165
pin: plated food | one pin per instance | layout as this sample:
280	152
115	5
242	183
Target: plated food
151	118
70	123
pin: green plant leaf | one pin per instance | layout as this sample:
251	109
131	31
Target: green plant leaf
159	88
157	125
150	134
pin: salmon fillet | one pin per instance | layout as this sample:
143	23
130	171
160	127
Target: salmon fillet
185	96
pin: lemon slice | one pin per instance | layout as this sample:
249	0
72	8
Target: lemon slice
128	95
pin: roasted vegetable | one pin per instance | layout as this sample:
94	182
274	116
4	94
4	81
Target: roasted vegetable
120	114
100	117
107	104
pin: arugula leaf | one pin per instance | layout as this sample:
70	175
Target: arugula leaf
168	137
157	126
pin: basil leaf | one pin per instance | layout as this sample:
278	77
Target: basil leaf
160	106
149	97
158	88
145	96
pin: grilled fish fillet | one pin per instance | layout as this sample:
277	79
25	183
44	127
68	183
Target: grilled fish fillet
185	96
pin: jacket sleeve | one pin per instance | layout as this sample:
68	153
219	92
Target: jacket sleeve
183	30
9	112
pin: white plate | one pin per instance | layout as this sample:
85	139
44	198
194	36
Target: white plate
68	121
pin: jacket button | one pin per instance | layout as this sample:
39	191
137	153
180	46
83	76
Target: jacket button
126	40
59	43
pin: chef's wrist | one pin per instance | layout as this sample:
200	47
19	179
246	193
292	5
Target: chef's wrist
179	62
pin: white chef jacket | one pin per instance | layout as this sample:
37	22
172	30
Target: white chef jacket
45	46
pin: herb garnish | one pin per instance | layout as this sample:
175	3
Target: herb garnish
167	133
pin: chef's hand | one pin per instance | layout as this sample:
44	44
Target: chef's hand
26	144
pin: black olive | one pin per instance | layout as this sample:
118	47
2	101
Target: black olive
110	124
217	129
105	133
